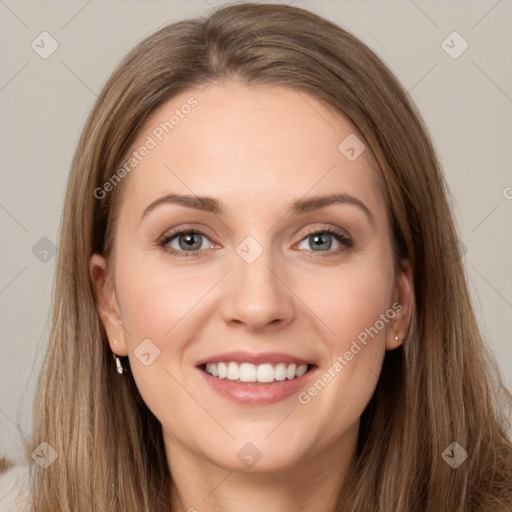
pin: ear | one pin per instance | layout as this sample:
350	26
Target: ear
404	301
106	301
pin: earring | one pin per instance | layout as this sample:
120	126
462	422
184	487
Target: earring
119	366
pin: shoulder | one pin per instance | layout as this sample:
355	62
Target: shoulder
15	489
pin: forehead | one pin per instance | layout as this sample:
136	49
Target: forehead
251	146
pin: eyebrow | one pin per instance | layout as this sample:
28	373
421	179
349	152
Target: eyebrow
298	206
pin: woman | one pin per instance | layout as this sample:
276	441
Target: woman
262	373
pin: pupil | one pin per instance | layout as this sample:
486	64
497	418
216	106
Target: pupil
324	239
189	241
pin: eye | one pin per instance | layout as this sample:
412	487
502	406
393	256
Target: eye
189	242
322	239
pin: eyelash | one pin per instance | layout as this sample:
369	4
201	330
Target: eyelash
342	239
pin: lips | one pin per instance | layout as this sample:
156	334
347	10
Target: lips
256	378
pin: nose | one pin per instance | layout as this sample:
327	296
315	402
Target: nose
257	294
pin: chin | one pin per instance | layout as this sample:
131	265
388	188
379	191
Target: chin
258	456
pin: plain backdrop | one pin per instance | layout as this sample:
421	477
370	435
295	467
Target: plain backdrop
465	98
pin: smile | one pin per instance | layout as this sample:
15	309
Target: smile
248	372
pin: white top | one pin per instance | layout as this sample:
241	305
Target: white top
15	490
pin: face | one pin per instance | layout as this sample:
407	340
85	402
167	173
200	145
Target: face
256	284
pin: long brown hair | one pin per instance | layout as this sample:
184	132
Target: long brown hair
440	387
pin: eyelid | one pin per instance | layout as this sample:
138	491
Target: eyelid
342	237
186	228
180	230
326	228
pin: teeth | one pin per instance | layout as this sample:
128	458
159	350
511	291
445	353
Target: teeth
223	370
280	372
247	372
290	371
233	371
301	370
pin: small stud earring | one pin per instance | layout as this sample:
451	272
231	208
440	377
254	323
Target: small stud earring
398	340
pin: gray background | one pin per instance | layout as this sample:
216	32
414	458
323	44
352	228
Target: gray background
465	101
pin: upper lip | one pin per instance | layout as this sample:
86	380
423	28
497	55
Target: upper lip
255	358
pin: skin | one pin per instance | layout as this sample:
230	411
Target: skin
255	148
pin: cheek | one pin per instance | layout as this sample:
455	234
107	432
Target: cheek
350	298
158	303
154	299
354	304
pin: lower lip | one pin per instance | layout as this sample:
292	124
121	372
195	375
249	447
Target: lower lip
252	393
